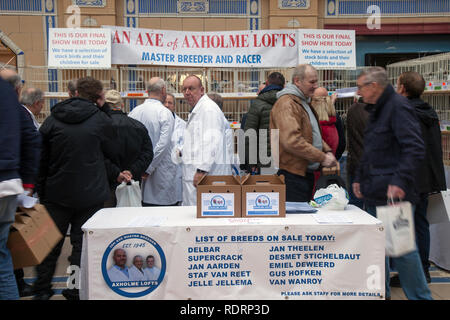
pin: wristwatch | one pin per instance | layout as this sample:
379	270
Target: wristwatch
201	171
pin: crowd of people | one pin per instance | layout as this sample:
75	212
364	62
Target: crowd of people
89	145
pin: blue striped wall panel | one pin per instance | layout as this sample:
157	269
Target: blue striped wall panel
157	6
21	5
236	7
392	7
228	7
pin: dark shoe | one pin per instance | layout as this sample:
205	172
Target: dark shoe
25	290
395	282
44	295
71	294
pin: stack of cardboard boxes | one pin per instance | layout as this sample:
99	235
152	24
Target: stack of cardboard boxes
249	196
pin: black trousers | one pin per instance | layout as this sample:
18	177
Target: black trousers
63	217
298	188
19	274
422	230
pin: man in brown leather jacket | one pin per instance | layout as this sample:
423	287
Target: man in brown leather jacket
301	148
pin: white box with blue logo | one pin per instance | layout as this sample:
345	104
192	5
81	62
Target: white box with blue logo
219	197
263	196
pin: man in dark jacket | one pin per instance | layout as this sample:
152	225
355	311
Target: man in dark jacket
258	118
431	174
18	166
30	153
31	139
357	117
393	149
72	183
134	149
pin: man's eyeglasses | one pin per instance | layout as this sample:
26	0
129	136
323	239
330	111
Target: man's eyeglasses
363	85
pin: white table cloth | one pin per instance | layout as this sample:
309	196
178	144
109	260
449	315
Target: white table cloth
296	257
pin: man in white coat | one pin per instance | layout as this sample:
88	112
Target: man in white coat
205	145
136	271
151	272
119	271
157	185
177	145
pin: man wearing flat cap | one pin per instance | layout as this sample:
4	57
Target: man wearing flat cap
134	150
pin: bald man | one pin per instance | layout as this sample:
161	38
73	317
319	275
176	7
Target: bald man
119	271
158	188
205	144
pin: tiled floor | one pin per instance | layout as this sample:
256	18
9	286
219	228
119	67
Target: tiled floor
439	286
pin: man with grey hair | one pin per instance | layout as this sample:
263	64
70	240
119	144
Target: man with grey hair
30	150
301	147
136	271
10	75
157	186
33	100
72	88
217	98
177	145
393	151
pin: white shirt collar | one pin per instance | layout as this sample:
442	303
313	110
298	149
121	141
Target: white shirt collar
36	124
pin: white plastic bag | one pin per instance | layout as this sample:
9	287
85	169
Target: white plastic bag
399	228
439	207
332	197
129	195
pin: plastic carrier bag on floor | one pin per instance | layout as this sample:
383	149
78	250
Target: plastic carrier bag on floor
332	197
129	194
399	228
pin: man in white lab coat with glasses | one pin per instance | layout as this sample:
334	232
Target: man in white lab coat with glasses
205	146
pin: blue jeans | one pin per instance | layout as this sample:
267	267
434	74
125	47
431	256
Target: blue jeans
410	272
8	285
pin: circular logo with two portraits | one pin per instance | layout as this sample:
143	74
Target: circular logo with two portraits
133	265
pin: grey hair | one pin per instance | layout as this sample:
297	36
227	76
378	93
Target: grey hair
375	74
300	72
14	80
138	256
31	96
172	95
72	86
217	98
156	86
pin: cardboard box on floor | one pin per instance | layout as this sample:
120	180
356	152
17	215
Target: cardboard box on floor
263	196
32	236
219	197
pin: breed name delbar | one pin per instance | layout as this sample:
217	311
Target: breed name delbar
254	309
